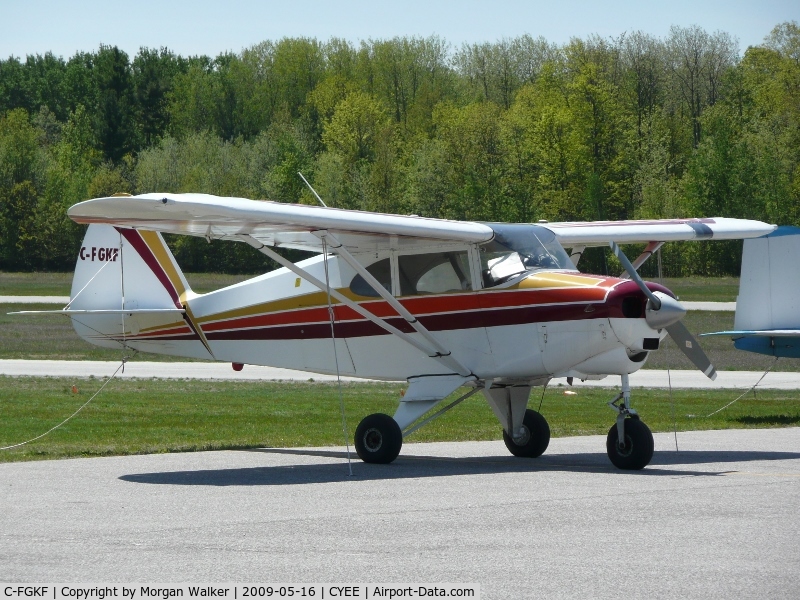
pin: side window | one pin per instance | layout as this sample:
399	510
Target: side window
382	271
436	273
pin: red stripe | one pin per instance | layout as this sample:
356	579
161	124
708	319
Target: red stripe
432	305
150	260
172	330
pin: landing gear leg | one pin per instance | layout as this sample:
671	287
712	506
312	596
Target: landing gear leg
629	443
525	431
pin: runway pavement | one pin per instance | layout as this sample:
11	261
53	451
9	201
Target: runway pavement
719	519
206	370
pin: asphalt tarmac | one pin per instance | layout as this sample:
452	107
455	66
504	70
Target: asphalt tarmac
718	519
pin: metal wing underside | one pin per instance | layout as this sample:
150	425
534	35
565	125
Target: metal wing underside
600	233
276	223
292	225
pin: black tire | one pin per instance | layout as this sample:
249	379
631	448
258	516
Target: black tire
536	440
378	439
638	450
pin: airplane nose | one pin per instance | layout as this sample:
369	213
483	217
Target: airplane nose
670	311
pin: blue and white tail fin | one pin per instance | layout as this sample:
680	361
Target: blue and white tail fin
768	306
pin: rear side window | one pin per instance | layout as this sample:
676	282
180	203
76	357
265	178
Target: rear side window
382	271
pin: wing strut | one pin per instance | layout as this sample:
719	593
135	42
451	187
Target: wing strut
444	358
651	249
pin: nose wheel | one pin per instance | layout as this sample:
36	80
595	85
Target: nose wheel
637	449
630	442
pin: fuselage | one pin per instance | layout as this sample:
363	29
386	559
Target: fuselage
543	323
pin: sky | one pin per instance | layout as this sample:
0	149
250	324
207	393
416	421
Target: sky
191	27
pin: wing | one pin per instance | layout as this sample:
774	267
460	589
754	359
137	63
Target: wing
600	233
275	223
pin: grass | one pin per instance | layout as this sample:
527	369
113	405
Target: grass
704	289
50	337
720	349
154	416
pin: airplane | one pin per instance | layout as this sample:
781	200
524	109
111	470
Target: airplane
767	317
494	307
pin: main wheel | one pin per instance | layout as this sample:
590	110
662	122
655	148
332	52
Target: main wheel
638	449
535	438
378	439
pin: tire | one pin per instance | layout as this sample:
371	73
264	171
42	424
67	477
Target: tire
378	439
638	450
535	440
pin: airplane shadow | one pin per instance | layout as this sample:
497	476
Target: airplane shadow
414	467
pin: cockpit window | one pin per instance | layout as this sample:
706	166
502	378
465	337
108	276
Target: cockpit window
382	271
518	248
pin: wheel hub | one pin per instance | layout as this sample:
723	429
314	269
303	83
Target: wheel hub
373	440
523	436
626	448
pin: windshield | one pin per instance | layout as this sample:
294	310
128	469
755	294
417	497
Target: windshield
518	248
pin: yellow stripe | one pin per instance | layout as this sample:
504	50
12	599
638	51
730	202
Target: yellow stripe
159	249
559	280
198	329
159	327
312	300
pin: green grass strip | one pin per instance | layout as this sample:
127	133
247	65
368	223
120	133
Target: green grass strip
155	416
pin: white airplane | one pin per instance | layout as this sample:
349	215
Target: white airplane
767	309
441	304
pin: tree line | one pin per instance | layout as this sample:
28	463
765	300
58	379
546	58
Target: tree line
517	130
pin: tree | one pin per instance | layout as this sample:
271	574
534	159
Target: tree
698	62
475	151
354	128
114	120
154	75
13	88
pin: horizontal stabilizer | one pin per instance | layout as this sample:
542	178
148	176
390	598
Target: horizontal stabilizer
118	311
759	333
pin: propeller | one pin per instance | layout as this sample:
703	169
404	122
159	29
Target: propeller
665	312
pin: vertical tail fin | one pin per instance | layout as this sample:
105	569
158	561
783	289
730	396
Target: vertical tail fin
769	289
133	292
126	269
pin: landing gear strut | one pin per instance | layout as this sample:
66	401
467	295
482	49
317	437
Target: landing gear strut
629	443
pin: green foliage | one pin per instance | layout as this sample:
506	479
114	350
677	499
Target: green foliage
515	130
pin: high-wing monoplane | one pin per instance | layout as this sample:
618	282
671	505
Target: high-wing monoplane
492	307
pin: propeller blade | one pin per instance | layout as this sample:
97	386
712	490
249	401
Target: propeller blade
689	346
669	319
634	275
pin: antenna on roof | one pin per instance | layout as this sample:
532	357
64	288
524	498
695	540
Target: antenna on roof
313	191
